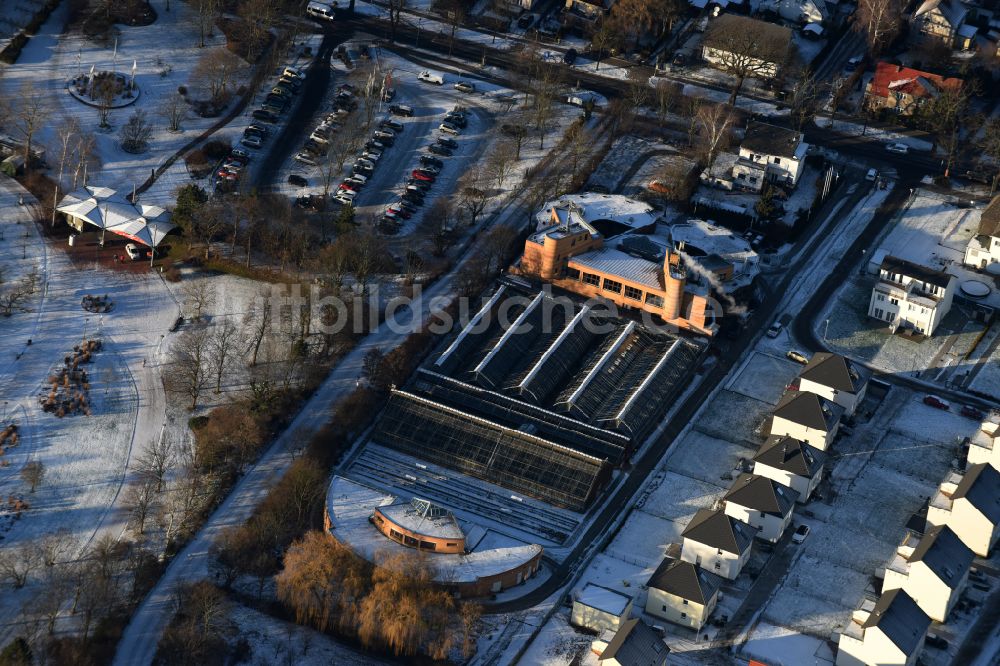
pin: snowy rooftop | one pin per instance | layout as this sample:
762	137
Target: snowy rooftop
712	239
593	207
603	599
615	262
350	504
422	517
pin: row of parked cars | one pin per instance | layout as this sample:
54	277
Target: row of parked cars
279	99
422	178
318	144
364	166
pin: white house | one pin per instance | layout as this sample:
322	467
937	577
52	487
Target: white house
833	377
983	249
598	608
717	542
769	153
983	445
807	417
761	503
682	593
969	505
634	644
912	296
791	462
890	632
933	570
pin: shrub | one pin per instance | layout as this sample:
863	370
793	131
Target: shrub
182	91
216	149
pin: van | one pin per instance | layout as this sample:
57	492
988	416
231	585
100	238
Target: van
320	11
428	76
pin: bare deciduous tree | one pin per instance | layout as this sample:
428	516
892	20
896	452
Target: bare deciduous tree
174	111
136	133
226	339
215	71
473	193
189	374
33	473
714	123
501	161
880	21
746	53
206	11
26	114
140	499
155	461
258	322
199	295
17	562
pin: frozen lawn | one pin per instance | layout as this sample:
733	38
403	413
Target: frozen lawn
558	643
644	538
735	416
680	496
927	424
803	605
709	459
781	647
921	459
615	574
764	377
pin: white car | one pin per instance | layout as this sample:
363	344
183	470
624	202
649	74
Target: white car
431	77
800	534
371	155
251	141
305	158
898	148
368	164
133	252
449	128
347	201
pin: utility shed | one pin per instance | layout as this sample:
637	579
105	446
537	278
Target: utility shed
599	608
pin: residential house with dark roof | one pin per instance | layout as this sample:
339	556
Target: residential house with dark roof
904	89
791	462
761	503
908	295
835	378
723	46
769	153
983	249
682	593
943	20
717	543
634	644
969	505
889	632
806	417
933	570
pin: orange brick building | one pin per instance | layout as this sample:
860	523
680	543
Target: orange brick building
571	255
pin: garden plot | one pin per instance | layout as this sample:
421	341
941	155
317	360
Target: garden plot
643	539
806	607
709	459
925	423
764	377
680	497
922	459
619	162
735	416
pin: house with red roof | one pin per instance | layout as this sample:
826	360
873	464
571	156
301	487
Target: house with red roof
903	89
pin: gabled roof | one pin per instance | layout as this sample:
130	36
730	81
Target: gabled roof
808	409
636	644
900	619
717	530
981	487
989	222
916	271
836	372
890	78
953	12
791	455
770	41
761	494
944	554
771	140
685	580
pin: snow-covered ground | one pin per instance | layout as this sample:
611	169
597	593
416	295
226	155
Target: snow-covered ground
15	14
859	129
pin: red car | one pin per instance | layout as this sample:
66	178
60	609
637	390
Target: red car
936	402
420	175
349	187
401	212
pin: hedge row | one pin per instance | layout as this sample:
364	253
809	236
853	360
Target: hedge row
12	51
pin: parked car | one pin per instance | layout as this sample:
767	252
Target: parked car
872	175
396	209
465	86
401	110
133	252
305	158
445	141
356	182
570	56
428	76
427	160
361	170
343	200
429	168
898	148
297	180
375	145
368	164
775	330
456	119
449	128
264	115
294	73
238	153
292	82
970	412
421	185
257	127
252	141
800	534
406	205
393	125
412	198
385	137
936	402
440	149
348	187
797	356
422	175
852	63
